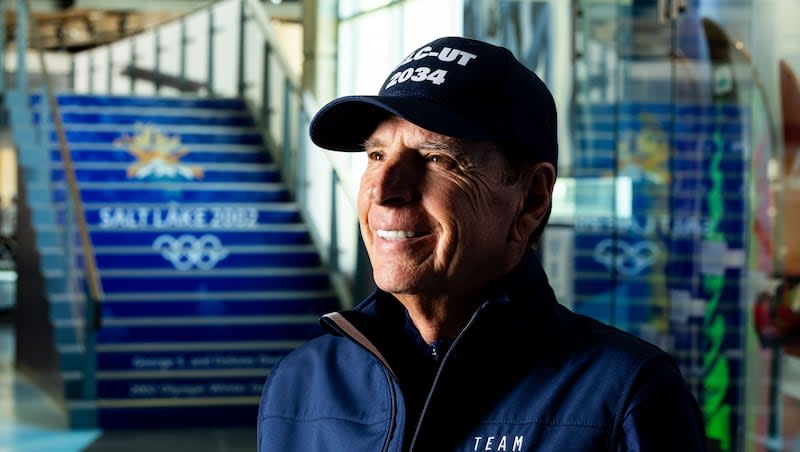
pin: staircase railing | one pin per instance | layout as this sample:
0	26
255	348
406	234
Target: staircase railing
94	285
86	316
229	48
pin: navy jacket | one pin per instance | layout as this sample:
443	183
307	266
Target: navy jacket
525	374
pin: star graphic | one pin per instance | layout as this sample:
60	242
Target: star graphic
156	155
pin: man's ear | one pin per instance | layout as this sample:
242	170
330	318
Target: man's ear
538	196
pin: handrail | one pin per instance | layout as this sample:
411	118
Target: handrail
262	20
308	103
92	275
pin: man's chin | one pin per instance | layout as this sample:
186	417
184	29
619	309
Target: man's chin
395	282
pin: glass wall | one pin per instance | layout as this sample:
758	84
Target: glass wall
678	178
374	35
654	116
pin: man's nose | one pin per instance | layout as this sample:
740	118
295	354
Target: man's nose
397	182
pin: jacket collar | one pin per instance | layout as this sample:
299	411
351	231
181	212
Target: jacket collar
525	291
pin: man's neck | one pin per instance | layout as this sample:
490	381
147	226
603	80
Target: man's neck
437	319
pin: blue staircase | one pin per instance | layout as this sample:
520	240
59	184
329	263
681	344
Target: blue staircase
208	272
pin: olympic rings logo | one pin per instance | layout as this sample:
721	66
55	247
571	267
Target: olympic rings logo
627	259
187	252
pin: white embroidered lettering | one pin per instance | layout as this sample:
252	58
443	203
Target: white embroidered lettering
407	59
419	74
448	54
502	444
437	76
498	443
466	57
393	80
422	53
405	75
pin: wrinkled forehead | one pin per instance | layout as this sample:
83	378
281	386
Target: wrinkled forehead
402	132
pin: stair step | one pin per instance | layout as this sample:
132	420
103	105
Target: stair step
85	100
300	331
172	412
222	187
228	259
210	344
156	281
288	234
218	308
253	369
139	215
209	319
209	173
199	360
220	303
161	117
197	354
95	132
190	387
266	296
199	153
133	250
92	192
187	135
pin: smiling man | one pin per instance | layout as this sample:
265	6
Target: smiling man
464	347
424	202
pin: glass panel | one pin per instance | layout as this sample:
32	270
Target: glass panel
371	44
653	108
169	57
197	48
349	8
100	61
121	55
226	47
81	72
145	59
700	113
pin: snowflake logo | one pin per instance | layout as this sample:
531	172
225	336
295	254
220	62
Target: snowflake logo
157	155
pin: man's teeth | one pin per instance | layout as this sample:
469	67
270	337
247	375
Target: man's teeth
395	235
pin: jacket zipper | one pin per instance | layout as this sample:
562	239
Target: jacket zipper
345	328
439	372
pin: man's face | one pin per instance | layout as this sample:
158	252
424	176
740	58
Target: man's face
435	213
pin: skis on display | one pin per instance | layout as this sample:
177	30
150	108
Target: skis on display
790	164
788	303
730	64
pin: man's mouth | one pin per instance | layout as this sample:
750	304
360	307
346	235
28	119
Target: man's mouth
395	234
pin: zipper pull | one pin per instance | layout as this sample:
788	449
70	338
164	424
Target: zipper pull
435	353
439	349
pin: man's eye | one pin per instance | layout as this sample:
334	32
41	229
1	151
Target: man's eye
441	159
374	155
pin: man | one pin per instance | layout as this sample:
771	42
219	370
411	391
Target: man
464	347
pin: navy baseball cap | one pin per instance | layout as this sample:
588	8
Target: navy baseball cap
457	87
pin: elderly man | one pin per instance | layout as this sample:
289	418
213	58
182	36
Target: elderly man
464	347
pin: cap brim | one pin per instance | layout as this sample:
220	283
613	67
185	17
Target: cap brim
345	123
